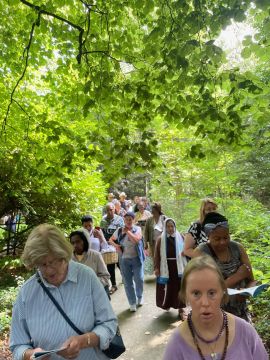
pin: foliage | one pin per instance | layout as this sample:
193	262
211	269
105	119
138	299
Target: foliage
260	308
46	193
65	93
12	276
96	93
7	298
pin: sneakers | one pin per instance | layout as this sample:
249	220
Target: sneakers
133	308
140	302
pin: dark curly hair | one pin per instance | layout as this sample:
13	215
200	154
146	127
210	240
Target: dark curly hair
213	218
83	237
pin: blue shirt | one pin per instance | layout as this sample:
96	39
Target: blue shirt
36	322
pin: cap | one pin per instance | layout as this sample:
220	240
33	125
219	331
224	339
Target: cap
130	213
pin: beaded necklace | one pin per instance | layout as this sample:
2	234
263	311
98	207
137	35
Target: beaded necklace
215	338
195	339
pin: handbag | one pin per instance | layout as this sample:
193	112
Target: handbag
116	347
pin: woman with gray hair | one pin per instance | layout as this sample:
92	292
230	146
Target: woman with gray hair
37	322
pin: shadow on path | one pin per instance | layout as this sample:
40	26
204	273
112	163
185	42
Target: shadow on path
147	331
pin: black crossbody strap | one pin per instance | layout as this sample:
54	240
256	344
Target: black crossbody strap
71	324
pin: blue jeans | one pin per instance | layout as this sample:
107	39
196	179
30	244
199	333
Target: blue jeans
132	271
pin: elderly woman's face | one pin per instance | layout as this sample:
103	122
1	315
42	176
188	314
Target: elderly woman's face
219	238
53	270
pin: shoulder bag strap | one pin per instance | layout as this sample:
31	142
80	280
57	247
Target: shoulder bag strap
71	324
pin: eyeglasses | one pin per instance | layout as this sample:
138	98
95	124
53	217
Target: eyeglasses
53	264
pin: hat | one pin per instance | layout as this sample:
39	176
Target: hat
130	213
122	194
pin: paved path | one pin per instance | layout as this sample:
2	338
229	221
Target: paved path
145	332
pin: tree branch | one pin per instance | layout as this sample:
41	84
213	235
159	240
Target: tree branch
26	113
66	21
102	52
26	50
90	7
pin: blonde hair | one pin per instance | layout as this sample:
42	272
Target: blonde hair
45	240
202	263
203	205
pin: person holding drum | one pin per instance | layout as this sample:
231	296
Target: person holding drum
128	242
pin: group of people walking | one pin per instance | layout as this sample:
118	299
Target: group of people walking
200	265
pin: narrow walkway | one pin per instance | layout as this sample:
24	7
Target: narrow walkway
147	331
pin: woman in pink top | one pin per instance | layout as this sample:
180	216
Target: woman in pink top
209	333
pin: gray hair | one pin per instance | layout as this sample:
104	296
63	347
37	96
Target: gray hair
109	205
46	240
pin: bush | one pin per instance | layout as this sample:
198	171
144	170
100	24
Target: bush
12	276
7	298
260	307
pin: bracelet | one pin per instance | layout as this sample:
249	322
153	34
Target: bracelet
247	267
23	354
88	339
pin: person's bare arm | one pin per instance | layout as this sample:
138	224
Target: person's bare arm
99	234
241	274
189	245
112	240
244	271
134	237
197	252
75	344
245	260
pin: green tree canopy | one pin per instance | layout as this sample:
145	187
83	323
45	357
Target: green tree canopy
85	87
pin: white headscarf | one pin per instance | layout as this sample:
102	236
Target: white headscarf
180	260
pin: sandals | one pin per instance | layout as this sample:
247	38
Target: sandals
113	289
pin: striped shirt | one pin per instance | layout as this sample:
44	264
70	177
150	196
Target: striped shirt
36	322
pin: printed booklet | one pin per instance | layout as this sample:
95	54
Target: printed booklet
42	354
252	291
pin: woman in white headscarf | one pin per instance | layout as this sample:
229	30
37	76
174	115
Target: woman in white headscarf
169	266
